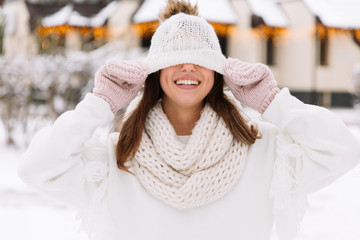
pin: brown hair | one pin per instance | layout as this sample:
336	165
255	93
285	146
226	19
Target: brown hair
132	128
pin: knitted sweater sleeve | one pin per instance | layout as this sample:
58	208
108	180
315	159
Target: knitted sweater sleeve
60	159
313	148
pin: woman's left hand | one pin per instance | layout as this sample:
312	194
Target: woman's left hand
252	84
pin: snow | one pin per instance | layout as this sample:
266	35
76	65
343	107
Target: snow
336	13
105	13
59	18
334	212
67	15
38	223
26	214
78	20
270	12
220	11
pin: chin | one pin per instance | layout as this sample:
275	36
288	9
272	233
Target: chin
189	103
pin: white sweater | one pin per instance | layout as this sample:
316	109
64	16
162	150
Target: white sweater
70	163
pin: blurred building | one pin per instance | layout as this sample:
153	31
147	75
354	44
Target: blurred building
310	45
50	26
337	47
75	25
16	40
145	19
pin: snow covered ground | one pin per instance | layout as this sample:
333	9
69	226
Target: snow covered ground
26	214
334	212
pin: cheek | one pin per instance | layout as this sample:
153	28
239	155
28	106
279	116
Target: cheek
210	86
210	82
165	76
209	77
162	80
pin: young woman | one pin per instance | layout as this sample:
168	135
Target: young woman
187	162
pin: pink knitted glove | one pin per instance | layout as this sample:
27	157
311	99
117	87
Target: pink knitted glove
119	81
252	84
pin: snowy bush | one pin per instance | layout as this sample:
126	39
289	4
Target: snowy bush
36	90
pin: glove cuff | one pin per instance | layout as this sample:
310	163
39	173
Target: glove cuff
269	98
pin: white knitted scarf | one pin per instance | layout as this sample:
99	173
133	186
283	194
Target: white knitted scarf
191	175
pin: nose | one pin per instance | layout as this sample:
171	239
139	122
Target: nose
187	67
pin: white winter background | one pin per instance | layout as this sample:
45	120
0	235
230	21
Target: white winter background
334	212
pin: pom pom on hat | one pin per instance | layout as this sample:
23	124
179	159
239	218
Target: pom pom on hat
174	7
184	38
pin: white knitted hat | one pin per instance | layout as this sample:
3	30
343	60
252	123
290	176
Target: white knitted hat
184	38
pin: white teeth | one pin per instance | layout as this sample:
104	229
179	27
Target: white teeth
186	82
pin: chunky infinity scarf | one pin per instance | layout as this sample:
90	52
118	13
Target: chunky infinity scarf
191	175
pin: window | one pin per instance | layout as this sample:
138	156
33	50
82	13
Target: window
356	36
322	43
269	34
323	51
1	33
270	51
50	43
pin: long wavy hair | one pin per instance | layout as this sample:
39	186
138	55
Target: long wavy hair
131	129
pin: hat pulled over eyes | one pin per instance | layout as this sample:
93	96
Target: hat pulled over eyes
184	38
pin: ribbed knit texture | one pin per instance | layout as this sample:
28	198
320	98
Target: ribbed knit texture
119	81
190	175
185	39
252	84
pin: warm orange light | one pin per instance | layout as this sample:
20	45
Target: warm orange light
357	34
321	31
98	32
147	29
222	29
324	31
269	32
277	34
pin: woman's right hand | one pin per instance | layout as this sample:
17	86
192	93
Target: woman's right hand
119	81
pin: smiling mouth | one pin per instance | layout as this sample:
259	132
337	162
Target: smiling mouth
187	82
